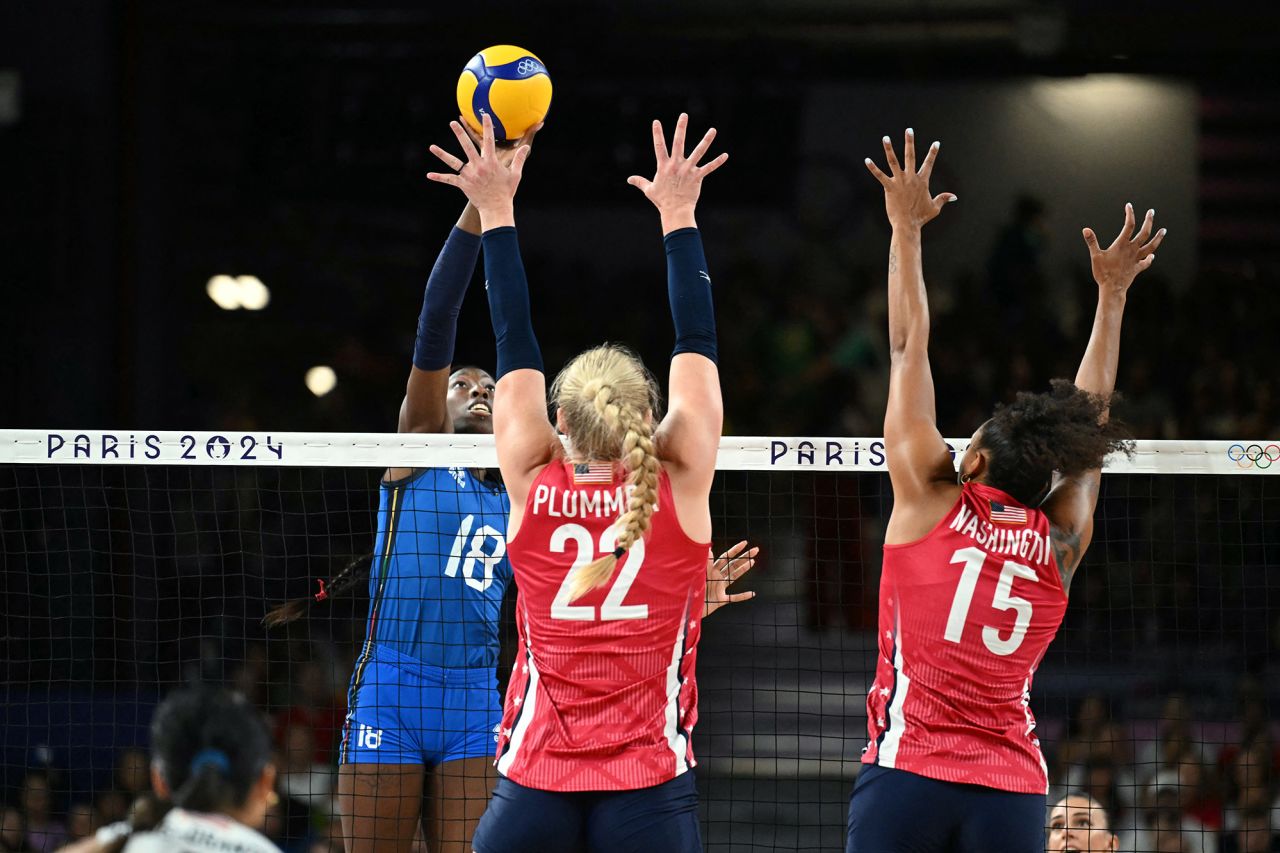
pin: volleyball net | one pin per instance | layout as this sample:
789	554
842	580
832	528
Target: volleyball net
134	562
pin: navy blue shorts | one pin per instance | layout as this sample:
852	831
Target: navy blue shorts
893	811
661	819
403	711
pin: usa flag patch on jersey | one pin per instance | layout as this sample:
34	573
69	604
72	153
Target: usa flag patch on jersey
1003	514
585	473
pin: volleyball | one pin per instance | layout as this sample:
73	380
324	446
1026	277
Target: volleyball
510	84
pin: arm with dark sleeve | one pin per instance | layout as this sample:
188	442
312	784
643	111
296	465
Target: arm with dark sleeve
424	407
523	434
690	433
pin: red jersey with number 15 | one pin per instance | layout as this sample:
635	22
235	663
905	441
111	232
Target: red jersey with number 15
966	614
602	696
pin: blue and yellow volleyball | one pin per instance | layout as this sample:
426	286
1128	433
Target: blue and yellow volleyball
510	84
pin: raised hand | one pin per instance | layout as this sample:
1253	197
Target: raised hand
722	572
1115	267
677	183
907	200
488	182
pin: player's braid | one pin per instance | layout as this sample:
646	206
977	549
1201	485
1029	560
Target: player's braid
290	611
609	411
642	464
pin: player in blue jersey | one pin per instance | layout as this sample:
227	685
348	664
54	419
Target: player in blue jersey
423	706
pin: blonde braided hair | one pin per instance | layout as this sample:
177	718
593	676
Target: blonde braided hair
605	397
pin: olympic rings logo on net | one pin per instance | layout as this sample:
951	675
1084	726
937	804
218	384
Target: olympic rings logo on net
1254	455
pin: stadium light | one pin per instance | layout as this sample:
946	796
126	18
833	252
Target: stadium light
254	295
242	291
224	292
321	380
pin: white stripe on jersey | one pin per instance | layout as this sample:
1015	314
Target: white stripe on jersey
675	737
1031	726
888	754
526	714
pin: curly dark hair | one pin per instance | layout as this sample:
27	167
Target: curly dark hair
1060	431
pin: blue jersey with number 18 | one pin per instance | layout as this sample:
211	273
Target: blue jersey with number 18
440	568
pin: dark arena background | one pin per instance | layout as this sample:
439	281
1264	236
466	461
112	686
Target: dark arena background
149	148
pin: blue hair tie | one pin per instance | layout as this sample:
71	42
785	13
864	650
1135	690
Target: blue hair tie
214	757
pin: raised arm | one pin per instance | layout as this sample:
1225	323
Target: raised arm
424	407
689	436
521	429
1072	500
918	459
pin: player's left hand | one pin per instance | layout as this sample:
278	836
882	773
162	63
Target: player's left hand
677	183
723	571
488	182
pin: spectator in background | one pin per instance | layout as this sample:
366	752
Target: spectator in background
82	821
312	705
13	832
1254	834
133	772
1078	822
302	778
112	806
1252	794
43	831
1166	825
251	677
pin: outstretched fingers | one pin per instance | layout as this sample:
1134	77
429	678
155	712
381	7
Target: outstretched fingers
1126	231
659	143
876	173
700	150
445	157
909	151
468	145
677	138
1144	233
703	171
1091	240
926	168
890	156
1154	243
443	178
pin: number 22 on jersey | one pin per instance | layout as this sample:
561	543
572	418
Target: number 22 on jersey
973	559
613	608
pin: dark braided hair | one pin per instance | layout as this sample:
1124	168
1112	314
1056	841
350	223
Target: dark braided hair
211	746
1061	431
352	573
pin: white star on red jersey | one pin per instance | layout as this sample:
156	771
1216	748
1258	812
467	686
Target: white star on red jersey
884	691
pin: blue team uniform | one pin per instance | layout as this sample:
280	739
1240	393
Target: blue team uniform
424	688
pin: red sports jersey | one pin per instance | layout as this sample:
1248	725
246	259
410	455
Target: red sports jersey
603	696
966	614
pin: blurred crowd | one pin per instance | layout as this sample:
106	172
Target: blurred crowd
305	702
1177	784
1174	783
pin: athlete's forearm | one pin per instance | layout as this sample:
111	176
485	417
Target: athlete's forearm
508	291
689	292
908	301
469	221
446	286
1097	373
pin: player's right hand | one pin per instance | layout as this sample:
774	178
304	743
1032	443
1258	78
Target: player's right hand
906	191
488	182
1115	267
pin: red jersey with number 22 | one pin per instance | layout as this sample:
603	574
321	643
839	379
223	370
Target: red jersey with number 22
966	614
602	696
